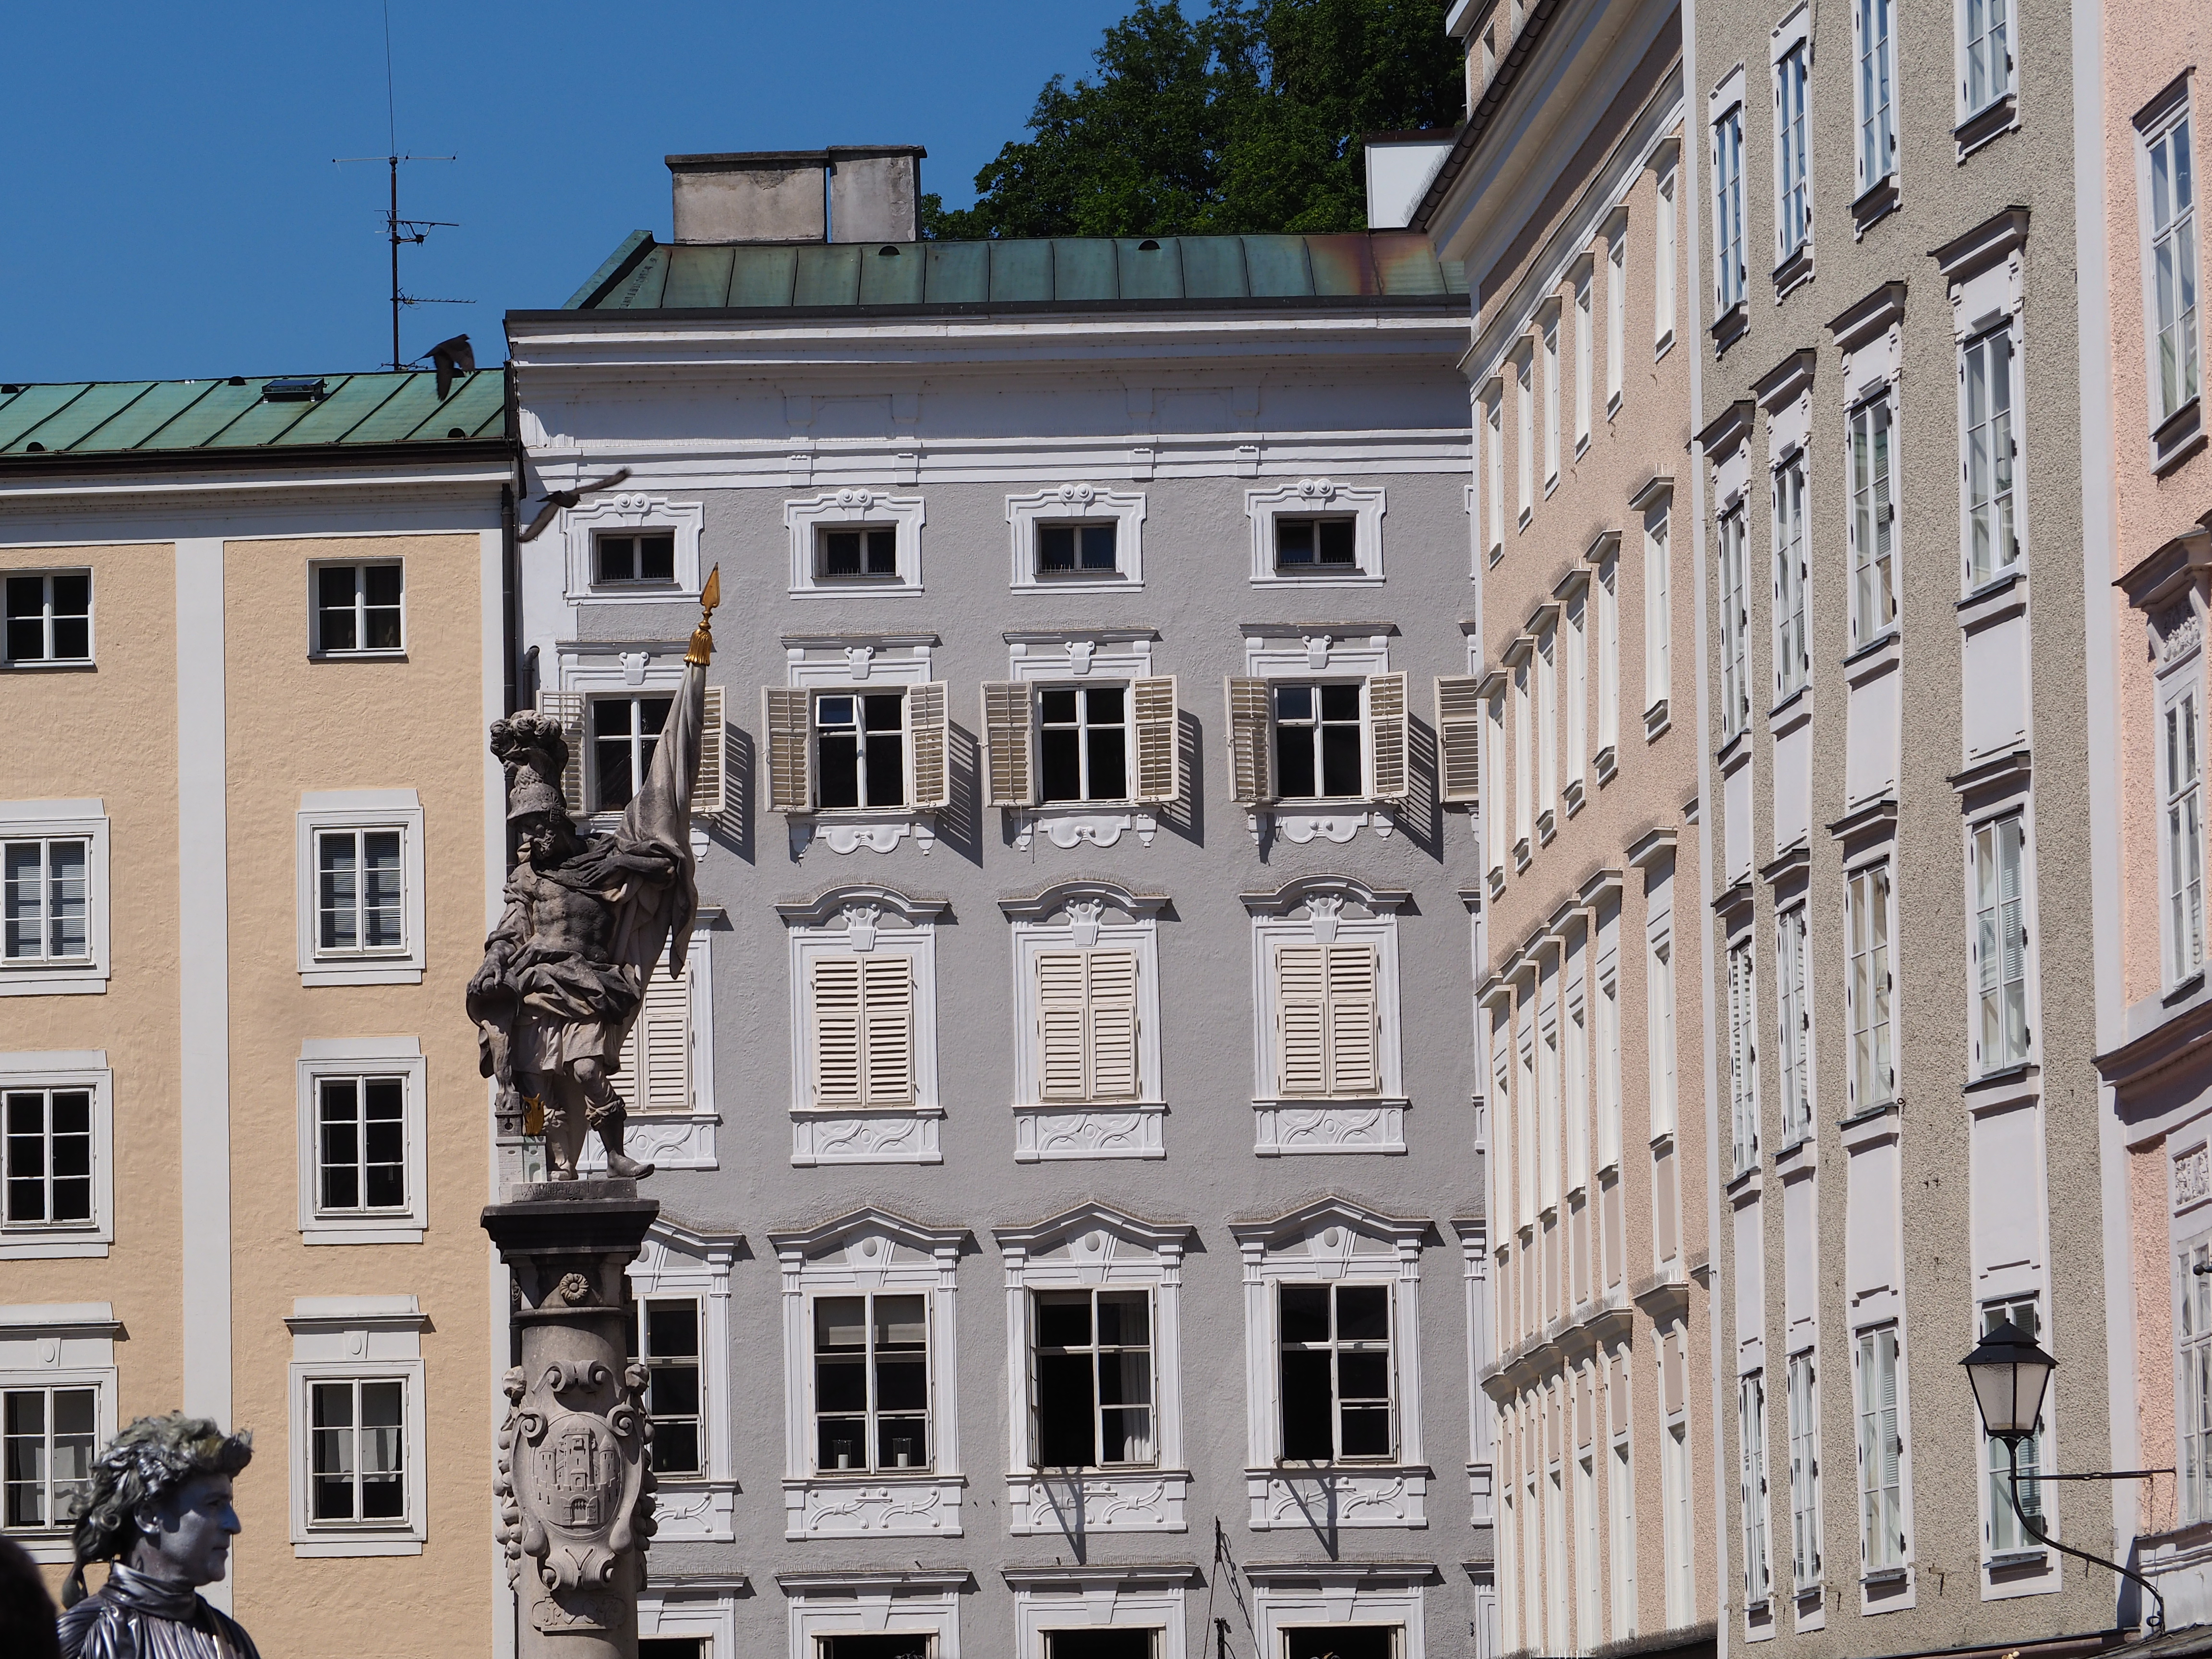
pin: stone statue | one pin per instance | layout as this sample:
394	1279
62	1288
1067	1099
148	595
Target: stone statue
160	1510
588	918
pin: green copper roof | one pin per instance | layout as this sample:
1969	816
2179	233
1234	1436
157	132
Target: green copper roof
113	417
643	274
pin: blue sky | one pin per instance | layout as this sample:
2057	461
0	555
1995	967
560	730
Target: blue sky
172	210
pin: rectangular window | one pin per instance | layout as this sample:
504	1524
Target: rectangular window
625	731
1989	52
1877	82
2006	1534
360	1145
664	1338
1550	336
1337	1378
1793	156
1620	1550
2001	1029
48	1438
1735	627
856	555
1677	1483
1868	987
1616	317
1663	256
1575	714
649	556
1524	435
360	893
50	617
1493	418
863	1008
1804	1475
1658	615
1083	742
1587	1585
358	608
1743	1059
1075	548
1793	1025
871	1383
1494	759
2173	270
1882	1504
357	1431
860	745
1660	978
47	1151
2193	1359
1608	653
1873	529
1548	722
1093	1380
1793	656
1316	544
1327	1020
1584	347
1729	266
2185	841
1608	1072
1751	1432
1087	1024
1992	445
46	900
1319	742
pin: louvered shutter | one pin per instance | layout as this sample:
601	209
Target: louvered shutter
785	713
1352	1067
656	1055
568	708
887	1029
1389	770
1009	720
1301	1016
710	786
1891	1446
926	740
1459	736
1159	766
1060	997
1112	997
837	1032
1248	780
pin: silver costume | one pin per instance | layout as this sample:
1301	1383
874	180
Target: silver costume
133	1616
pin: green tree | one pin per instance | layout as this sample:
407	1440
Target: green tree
1245	119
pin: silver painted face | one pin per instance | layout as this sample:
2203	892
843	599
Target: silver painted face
188	1532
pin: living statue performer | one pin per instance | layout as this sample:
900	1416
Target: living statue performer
159	1512
587	917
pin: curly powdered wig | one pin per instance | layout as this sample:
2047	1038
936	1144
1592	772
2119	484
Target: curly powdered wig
150	1458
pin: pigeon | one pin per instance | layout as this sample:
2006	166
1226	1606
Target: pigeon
450	357
559	499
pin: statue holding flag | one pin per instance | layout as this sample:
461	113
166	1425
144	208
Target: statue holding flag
588	918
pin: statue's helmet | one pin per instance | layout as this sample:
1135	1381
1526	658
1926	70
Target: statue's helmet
535	754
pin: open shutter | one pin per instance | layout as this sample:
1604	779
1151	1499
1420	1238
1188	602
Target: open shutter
568	708
710	787
1159	770
926	740
1113	1008
656	1055
1009	719
837	1032
785	711
1389	771
1353	1068
1301	1009
887	1029
1248	741
1061	1072
1459	736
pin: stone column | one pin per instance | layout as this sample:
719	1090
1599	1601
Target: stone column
576	1476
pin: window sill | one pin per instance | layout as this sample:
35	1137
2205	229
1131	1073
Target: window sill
1883	1577
1355	1495
402	971
1547	827
1526	516
71	1244
51	664
1346	578
902	1504
848	587
331	1546
87	980
1987	123
1521	853
1582	445
1728	327
1997	596
1657	719
358	656
378	1229
1050	1132
1606	763
1068	824
1880	201
2013	1562
2177	437
1335	821
1662	345
1290	1127
2004	1084
1573	797
847	830
1885	642
1798	268
2184	989
695	1508
865	1134
1048	1502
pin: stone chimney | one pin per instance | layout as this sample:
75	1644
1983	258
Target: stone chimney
848	193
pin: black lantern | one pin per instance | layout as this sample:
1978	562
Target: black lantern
2009	1374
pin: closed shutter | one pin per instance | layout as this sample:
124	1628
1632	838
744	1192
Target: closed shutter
1113	1005
837	1032
1159	769
1389	770
887	1024
568	708
1353	1068
710	785
1087	1026
656	1055
1060	1026
785	713
1326	1020
926	727
1301	1016
1459	736
1248	780
1009	720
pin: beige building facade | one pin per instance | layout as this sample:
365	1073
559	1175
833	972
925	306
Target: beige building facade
254	631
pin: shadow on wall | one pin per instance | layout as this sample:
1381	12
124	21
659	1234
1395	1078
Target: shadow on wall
1185	816
960	825
733	825
1421	819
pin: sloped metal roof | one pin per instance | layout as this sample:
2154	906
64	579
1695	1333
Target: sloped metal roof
115	417
643	274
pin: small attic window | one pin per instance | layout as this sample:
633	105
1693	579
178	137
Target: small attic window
455	432
887	251
235	380
299	389
1148	245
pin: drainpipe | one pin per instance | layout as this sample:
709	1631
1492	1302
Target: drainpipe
510	549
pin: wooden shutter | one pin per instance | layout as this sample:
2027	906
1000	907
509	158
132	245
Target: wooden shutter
1353	1060
568	708
1009	720
837	1032
1459	736
925	736
1248	780
1301	1018
887	1029
710	787
1112	997
656	1055
1060	1006
786	712
1159	764
1390	769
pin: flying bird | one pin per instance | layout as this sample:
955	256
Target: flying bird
451	357
560	499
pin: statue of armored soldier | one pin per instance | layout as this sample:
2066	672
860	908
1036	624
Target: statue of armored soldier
587	919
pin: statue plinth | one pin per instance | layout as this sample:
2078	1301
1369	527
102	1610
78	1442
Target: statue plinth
576	1471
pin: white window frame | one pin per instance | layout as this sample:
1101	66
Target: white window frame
1860	890
359	810
1988	839
1083	1598
1791	57
917	1602
1328	1242
1874	94
1793	1015
1547	337
1730	563
854	665
1805	1515
1575	608
630	512
1742	1056
61	1345
1663	1041
2192	1360
1295	652
1605	579
1724	125
1873	609
1867	1342
2004	508
341	1339
1095	1246
67	1069
1364	504
1493	439
47	574
1678	1520
1616	232
1495	765
2168	118
1793	578
863	1251
858	508
685	1139
82	820
2179	736
1077	504
1066	659
1524	429
679	1261
361	1057
1583	275
2039	1498
323	653
862	918
1752	1490
1287	1597
2003	85
1658	614
1665	250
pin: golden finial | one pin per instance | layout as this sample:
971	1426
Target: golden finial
702	636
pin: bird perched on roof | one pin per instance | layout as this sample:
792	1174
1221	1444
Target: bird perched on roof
555	500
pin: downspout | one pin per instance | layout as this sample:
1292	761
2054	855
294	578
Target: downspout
510	555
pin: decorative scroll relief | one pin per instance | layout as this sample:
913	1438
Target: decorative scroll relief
2192	1178
2177	630
1043	1133
1300	828
573	1483
877	835
685	1142
695	1515
1339	1127
881	1134
1366	1498
928	1507
1072	827
1076	1505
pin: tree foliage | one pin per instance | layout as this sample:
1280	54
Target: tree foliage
1247	119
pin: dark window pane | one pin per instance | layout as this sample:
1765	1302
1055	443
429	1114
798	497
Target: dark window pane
883	552
840	1443
1307	1431
26	638
1102	704
1362	1313
617	561
875	1647
1294	541
1362	1374
840	1384
676	1448
901	1382
1101	1644
1339	760
1335	536
1342	1642
1366	1432
675	1391
656	558
841	553
1055	547
1294	761
840	782
72	593
1339	703
1294	703
380	583
1056	705
1064	1403
884	711
72	1112
886	767
1060	763
900	1445
1098	547
1064	1322
1305	1313
670	1647
1125	1319
72	638
334	587
1109	763
387	1187
672	1328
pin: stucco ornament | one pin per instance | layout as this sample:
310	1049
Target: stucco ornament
575	1487
588	918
